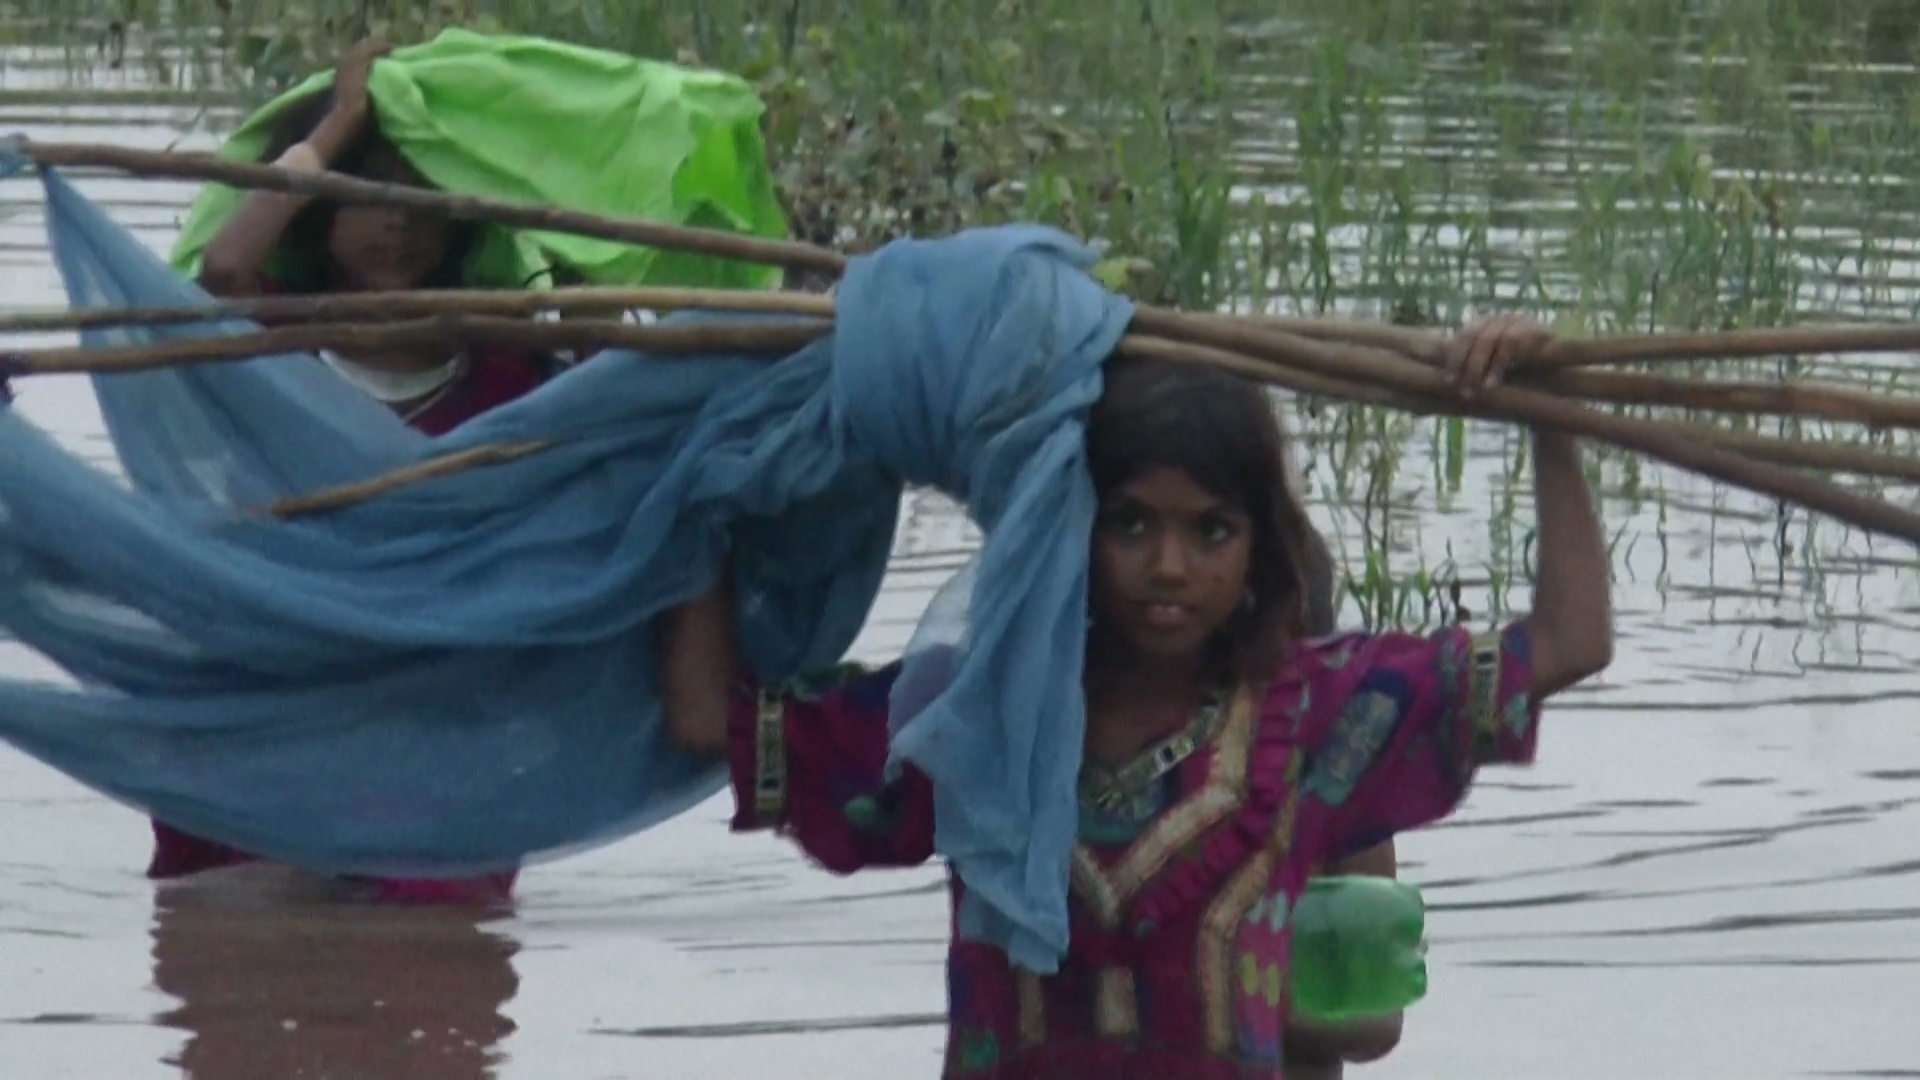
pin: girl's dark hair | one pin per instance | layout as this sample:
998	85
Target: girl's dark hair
1223	432
305	243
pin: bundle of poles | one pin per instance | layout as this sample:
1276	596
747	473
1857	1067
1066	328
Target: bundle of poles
1575	386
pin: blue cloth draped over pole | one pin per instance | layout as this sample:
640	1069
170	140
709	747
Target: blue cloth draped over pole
460	676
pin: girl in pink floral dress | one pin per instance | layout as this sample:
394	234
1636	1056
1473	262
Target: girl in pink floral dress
1227	757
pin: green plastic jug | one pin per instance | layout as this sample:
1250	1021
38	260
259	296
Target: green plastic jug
1359	948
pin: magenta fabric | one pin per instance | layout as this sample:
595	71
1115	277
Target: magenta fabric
1180	930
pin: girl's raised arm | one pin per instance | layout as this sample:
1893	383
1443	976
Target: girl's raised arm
1398	724
1570	630
237	255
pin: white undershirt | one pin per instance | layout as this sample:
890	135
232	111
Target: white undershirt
392	387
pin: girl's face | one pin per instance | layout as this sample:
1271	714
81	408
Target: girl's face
1170	566
385	248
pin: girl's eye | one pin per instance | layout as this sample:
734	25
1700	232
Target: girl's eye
1216	530
1126	521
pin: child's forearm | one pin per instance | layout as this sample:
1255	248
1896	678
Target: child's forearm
1571	626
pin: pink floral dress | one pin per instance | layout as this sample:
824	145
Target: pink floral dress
1180	904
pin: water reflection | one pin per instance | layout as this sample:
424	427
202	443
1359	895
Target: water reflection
277	977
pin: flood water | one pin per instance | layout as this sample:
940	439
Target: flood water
1711	873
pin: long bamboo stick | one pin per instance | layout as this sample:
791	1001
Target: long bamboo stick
1397	374
1553	369
449	329
470	311
419	304
360	491
1715	454
452	327
1815	454
1419	344
1785	398
1819	455
341	188
1556	370
1730	345
1794	399
1568	352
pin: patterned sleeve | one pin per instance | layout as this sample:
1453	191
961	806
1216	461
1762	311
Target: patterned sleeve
1396	725
809	760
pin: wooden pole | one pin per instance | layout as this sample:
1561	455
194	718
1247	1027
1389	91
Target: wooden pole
420	304
1619	350
1750	462
1730	345
345	495
1786	398
452	330
471	315
455	328
1816	454
346	189
1403	377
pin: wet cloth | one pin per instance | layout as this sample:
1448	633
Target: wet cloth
460	676
487	377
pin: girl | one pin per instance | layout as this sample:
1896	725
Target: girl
287	243
1226	757
278	243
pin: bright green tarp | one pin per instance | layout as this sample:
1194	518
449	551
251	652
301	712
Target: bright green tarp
530	120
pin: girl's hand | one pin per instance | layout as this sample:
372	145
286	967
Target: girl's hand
350	78
240	252
1479	355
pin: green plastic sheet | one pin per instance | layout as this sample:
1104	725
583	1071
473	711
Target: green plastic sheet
530	120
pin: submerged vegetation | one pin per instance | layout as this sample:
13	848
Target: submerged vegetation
1608	164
